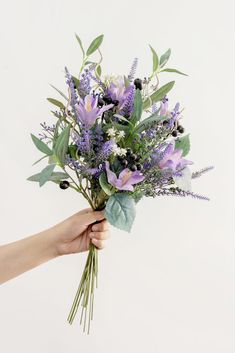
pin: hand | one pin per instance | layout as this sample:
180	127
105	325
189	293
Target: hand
74	234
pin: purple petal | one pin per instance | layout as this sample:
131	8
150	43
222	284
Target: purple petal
112	178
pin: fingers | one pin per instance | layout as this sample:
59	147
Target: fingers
100	227
98	238
93	216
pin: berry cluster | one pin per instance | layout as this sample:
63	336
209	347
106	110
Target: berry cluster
179	129
131	161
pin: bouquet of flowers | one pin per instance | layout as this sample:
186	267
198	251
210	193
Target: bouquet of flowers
115	140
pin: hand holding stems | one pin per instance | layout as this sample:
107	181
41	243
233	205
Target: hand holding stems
73	235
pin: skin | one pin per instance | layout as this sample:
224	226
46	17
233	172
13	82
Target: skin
73	235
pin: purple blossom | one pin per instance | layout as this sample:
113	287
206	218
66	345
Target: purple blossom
180	193
74	96
201	172
128	104
85	82
88	111
118	91
126	178
106	150
173	158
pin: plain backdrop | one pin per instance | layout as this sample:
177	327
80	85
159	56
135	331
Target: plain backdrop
169	285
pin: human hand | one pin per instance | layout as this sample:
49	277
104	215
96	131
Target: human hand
75	233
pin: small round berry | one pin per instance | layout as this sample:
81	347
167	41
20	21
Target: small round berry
124	162
100	102
180	129
133	157
64	184
165	122
128	152
137	158
115	102
139	166
174	133
138	83
107	99
133	168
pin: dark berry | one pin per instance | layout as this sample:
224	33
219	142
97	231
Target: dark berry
165	122
115	102
133	157
124	162
120	158
64	184
127	116
128	152
180	129
174	133
139	166
133	168
137	159
107	99
100	102
138	83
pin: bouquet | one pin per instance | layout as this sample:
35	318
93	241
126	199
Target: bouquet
115	140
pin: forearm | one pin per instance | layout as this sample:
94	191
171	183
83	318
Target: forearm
23	255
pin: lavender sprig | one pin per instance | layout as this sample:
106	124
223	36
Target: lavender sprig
199	173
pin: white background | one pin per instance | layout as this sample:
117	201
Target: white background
169	286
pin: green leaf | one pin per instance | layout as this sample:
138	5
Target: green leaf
165	57
122	118
95	44
80	44
154	118
106	187
158	95
76	81
155	59
120	211
138	103
60	92
39	160
55	176
174	70
61	145
56	103
46	174
98	70
184	144
41	146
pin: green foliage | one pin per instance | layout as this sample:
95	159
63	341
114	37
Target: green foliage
165	57
95	44
60	92
80	44
155	59
184	144
61	145
98	70
55	176
106	187
120	211
158	95
56	103
44	176
174	70
153	119
138	104
41	146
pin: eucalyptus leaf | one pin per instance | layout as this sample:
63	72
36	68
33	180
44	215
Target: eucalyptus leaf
60	92
95	44
155	59
138	103
61	145
174	70
55	176
158	95
56	103
106	187
184	144
165	57
46	174
41	146
120	211
80	44
39	160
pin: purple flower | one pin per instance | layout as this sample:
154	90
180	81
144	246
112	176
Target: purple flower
88	111
172	158
118	91
126	178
